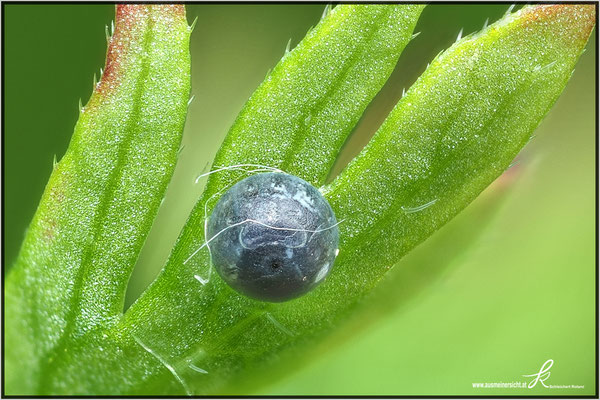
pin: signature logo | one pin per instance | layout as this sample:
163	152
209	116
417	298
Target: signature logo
541	376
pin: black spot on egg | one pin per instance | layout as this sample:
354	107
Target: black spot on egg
274	237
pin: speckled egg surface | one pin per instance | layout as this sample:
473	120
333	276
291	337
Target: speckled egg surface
273	237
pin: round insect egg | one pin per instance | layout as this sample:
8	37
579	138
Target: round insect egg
273	237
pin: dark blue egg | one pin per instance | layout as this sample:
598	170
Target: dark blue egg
273	237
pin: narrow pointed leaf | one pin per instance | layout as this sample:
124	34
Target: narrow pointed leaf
69	281
300	116
454	132
297	121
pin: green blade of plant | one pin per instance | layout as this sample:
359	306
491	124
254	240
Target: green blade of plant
69	281
414	275
313	98
456	130
297	120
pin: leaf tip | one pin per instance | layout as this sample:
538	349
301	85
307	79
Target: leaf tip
575	21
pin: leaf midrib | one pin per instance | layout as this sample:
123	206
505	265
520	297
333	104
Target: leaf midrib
318	106
130	130
382	223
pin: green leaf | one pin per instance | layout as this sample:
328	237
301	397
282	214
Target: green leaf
454	132
69	281
413	277
297	120
306	108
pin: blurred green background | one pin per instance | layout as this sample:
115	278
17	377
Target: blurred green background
507	285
